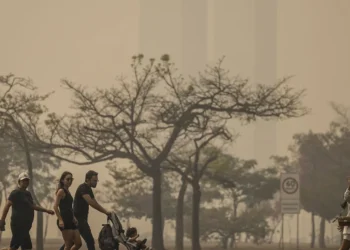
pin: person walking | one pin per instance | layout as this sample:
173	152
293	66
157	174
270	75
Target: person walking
22	216
346	229
63	207
84	197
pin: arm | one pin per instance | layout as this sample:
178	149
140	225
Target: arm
59	197
347	194
40	209
6	210
37	207
92	202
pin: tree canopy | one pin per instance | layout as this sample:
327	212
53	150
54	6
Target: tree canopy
145	117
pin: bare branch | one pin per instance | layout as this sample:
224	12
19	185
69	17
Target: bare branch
136	121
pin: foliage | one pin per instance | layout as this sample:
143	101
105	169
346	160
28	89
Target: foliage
216	223
251	185
247	202
320	172
138	122
13	162
130	191
322	159
21	106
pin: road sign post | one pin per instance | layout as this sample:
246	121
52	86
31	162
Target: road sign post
290	193
290	199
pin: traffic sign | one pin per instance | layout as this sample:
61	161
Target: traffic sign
290	187
290	193
290	206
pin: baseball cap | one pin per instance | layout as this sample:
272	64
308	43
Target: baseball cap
23	176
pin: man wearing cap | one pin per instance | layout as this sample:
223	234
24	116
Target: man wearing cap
22	216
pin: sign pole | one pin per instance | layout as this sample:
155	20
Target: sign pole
290	200
297	231
282	232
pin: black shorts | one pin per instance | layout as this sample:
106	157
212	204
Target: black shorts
21	237
68	225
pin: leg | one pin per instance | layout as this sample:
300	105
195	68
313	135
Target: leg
16	237
345	245
346	242
67	235
76	240
26	241
86	234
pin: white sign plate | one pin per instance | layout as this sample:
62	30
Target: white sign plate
290	186
290	206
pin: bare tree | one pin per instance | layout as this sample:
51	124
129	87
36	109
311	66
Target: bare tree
342	113
19	104
143	118
191	163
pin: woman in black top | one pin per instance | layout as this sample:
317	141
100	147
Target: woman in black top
63	207
22	216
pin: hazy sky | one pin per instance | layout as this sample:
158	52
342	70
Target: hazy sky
91	43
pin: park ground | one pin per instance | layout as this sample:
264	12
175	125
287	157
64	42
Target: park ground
54	244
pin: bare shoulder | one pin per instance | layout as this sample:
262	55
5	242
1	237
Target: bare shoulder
61	192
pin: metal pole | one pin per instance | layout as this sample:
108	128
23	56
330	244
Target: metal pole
332	235
297	231
282	232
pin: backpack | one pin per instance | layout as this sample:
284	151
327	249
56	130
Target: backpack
106	240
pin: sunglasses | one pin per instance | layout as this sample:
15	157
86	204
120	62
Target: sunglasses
70	179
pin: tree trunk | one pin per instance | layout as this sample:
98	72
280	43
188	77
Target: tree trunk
5	192
239	237
312	245
235	209
40	219
1	197
224	242
39	231
341	238
163	225
274	231
179	233
157	218
196	198
247	237
233	241
321	241
47	219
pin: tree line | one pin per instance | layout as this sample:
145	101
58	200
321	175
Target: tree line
170	127
322	159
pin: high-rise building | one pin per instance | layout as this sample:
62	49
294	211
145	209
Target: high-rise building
194	36
265	72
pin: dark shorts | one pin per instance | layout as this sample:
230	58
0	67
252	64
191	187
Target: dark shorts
68	225
85	233
21	237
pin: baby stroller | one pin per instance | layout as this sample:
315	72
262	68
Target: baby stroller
112	234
